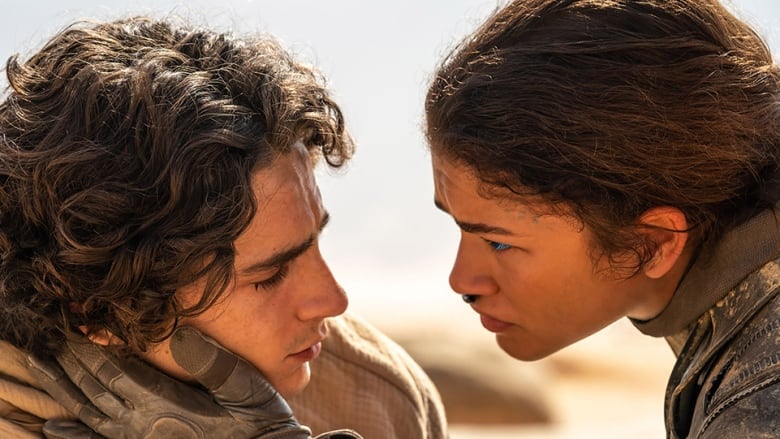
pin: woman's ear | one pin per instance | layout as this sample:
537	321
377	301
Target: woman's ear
666	232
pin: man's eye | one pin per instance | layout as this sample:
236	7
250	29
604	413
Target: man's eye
498	246
274	280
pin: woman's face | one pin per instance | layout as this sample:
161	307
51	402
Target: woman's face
539	283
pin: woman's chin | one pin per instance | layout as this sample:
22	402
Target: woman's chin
522	349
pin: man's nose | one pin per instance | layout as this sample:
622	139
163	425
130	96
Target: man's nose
323	296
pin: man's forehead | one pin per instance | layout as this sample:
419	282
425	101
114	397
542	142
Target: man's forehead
282	172
289	210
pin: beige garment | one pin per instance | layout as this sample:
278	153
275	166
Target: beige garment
362	381
23	408
365	381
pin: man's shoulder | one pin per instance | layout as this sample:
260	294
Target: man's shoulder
356	345
365	380
23	405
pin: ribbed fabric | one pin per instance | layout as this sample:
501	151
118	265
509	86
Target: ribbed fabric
23	408
366	382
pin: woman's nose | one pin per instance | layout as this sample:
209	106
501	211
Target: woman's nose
471	272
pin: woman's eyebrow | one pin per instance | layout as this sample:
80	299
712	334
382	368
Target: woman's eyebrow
474	227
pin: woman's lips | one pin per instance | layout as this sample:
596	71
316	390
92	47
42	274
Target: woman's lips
309	353
494	325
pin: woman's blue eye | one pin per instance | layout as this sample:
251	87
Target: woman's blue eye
498	246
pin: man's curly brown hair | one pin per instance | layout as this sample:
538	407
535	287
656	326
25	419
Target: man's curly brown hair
125	162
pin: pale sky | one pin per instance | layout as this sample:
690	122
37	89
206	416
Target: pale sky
387	244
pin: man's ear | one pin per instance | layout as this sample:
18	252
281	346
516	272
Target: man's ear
666	233
103	337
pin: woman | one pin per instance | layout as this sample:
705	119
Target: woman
611	158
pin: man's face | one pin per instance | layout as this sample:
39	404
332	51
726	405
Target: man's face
539	288
273	316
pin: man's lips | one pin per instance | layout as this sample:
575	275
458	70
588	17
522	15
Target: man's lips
309	353
314	348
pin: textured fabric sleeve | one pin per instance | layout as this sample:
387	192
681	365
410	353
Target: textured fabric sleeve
23	406
366	382
10	429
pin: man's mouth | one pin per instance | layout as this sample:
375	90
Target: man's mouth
309	353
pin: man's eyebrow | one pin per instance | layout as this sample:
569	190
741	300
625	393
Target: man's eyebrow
284	256
474	227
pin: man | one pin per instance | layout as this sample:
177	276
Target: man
159	212
618	158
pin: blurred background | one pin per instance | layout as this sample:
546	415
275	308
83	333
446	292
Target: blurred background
388	246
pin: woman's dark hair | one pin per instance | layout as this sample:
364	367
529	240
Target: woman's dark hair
612	107
126	157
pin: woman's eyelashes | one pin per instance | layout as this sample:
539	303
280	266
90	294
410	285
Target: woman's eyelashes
498	246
